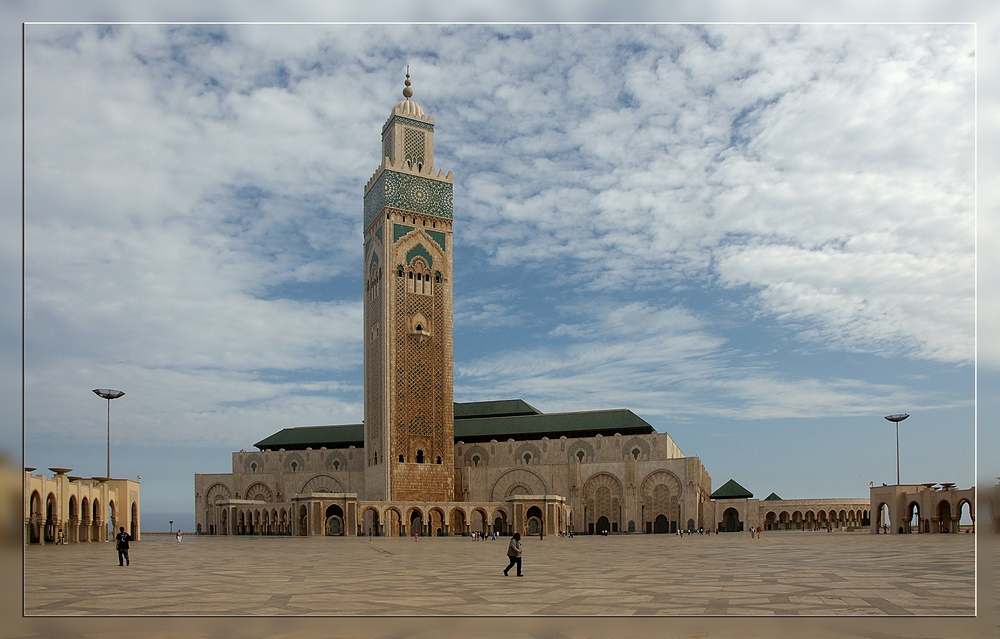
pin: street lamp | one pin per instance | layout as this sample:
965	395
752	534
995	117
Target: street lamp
896	419
109	394
171	525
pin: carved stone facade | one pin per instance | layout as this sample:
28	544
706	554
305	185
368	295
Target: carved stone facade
613	483
409	428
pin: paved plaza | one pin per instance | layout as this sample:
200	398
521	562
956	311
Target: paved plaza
780	574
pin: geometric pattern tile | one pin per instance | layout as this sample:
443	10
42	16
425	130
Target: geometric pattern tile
408	192
783	574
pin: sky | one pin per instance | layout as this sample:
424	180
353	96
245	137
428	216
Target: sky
761	239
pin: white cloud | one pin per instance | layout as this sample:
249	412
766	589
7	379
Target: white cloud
667	363
181	180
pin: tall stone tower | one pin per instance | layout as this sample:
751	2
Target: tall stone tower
409	414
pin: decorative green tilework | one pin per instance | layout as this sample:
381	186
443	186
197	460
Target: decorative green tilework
368	247
399	230
417	123
420	251
378	234
408	192
438	237
373	265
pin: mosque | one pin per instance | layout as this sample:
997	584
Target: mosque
422	464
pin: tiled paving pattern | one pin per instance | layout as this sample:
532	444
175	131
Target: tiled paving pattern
782	574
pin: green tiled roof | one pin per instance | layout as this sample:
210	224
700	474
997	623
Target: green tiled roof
479	422
554	425
314	437
732	490
772	497
500	408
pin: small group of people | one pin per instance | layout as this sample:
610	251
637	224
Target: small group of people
481	536
691	531
754	532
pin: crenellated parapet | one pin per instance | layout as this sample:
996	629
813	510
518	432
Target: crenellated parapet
402	166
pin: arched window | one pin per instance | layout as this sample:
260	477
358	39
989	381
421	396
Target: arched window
527	458
418	278
635	453
400	459
253	467
580	455
336	464
475	460
295	466
439	459
373	279
420	456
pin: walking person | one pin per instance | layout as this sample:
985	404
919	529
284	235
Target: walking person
121	543
180	535
514	553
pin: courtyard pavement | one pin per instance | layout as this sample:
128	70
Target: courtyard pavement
790	573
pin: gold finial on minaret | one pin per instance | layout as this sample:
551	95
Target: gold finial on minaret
407	91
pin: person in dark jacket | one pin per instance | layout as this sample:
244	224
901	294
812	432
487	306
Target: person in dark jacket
514	553
121	543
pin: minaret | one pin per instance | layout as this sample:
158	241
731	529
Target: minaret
409	414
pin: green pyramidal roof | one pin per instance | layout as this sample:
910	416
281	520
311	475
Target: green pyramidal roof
732	490
773	497
478	422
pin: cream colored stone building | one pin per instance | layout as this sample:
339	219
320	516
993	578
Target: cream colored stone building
421	463
923	508
81	509
734	509
515	469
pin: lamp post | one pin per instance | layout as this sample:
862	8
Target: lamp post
896	419
109	394
171	525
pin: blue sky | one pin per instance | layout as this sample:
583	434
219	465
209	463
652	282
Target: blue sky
761	239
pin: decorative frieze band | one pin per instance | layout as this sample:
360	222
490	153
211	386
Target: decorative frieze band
409	192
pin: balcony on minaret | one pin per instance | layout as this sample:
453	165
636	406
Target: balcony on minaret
419	328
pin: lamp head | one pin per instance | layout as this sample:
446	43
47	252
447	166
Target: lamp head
108	393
